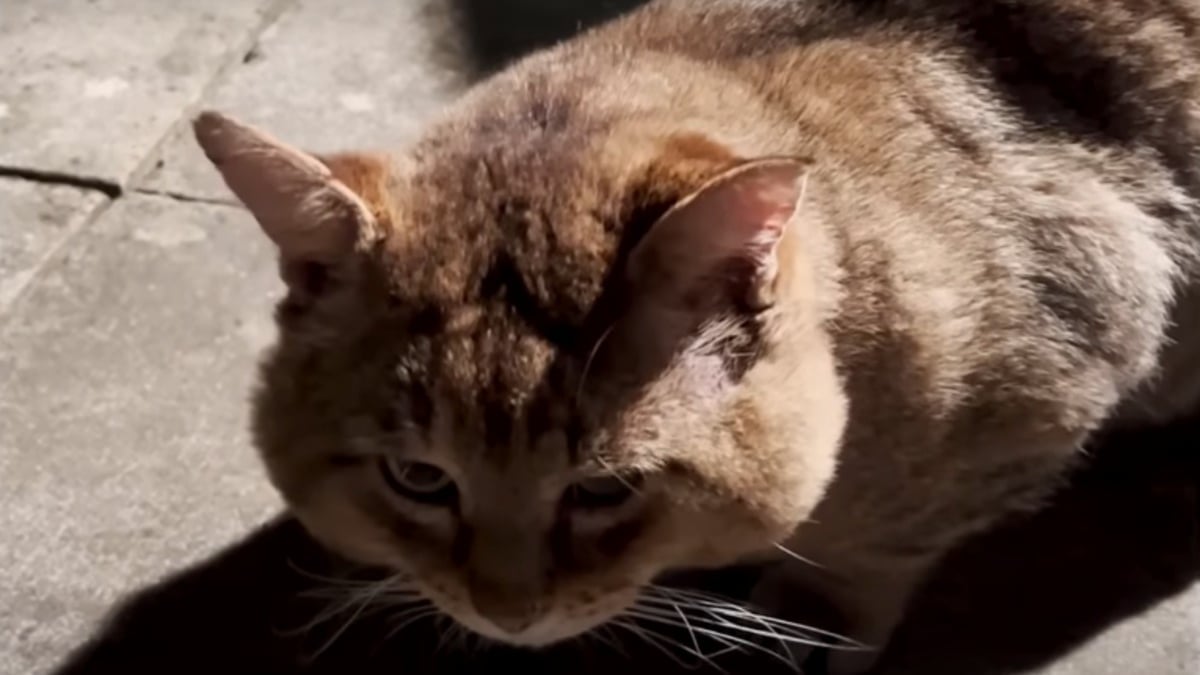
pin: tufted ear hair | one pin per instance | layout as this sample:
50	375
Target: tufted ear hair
727	232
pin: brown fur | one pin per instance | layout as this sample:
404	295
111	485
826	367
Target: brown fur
996	211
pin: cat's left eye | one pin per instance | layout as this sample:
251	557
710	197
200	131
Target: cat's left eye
603	491
419	481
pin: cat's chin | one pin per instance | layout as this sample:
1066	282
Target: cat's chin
542	633
553	627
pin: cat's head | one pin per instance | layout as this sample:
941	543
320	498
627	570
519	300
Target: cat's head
534	383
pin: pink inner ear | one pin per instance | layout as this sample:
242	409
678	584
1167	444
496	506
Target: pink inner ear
741	214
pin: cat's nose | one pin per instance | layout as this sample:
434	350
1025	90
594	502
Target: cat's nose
513	623
510	612
506	576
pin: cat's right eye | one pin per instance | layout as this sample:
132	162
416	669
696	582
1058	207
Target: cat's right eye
419	481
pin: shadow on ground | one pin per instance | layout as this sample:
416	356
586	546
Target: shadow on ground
1123	537
498	31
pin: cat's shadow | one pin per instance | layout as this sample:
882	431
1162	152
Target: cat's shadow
495	32
1123	537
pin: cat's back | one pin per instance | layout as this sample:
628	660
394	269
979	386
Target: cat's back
1002	149
1007	149
1120	71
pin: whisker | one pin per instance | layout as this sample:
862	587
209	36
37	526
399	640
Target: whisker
648	636
348	601
726	640
400	620
683	617
460	638
617	474
773	631
447	631
603	633
366	601
587	364
796	556
315	576
411	617
720	604
726	611
711	628
333	592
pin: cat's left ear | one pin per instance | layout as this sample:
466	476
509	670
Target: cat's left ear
315	211
727	232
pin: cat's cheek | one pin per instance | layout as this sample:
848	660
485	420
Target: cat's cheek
346	533
355	519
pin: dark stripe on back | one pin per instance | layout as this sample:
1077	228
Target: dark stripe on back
1066	71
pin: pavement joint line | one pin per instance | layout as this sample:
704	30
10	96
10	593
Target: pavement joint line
114	190
177	196
234	58
109	188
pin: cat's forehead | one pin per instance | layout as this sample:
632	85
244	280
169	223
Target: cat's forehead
510	248
488	377
507	228
488	354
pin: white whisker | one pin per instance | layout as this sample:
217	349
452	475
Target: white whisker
603	634
587	364
723	638
683	617
617	474
728	612
770	630
368	597
796	556
409	618
361	597
649	637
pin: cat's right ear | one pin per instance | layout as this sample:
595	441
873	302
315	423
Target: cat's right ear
312	215
728	232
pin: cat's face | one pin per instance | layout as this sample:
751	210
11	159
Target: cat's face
468	389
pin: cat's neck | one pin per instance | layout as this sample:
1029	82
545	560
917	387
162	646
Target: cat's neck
905	338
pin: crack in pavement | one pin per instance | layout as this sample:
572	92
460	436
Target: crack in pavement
109	188
177	196
115	190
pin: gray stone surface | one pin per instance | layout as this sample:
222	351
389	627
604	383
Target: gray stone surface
35	220
123	444
90	87
1163	641
371	86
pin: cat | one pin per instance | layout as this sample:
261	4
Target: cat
813	280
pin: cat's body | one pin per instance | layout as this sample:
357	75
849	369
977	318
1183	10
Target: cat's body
991	228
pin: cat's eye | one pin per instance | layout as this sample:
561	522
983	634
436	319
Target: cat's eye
603	491
419	481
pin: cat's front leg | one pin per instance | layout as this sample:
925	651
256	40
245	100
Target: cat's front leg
863	603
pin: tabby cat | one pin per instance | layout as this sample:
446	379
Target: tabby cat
725	281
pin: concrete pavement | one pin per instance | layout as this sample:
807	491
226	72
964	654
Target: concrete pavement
134	298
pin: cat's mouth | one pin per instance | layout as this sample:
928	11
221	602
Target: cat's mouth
549	627
541	633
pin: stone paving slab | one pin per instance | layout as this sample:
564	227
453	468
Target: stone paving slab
89	88
1163	641
123	445
371	84
35	220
